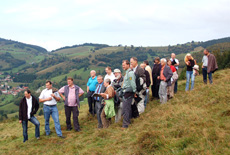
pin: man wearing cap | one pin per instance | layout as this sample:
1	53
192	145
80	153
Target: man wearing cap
116	84
129	89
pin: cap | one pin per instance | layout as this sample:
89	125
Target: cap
117	71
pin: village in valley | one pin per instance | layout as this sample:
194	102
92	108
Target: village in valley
6	88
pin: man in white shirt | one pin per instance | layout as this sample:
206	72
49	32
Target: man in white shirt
209	66
109	74
27	108
49	97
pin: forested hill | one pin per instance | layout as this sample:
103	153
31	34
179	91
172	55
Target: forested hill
97	46
190	46
4	43
14	54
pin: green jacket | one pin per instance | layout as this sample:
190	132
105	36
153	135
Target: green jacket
109	108
129	84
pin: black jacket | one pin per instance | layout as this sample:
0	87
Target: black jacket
23	108
140	72
148	82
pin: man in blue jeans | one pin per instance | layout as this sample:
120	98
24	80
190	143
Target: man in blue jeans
204	69
209	66
49	97
27	108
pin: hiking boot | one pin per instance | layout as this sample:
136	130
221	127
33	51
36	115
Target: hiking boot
68	129
63	137
78	130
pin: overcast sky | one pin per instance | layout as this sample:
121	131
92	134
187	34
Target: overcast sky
56	23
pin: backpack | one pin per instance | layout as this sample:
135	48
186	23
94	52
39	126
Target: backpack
139	86
116	100
175	76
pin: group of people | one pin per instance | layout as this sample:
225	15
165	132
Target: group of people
114	95
49	97
209	66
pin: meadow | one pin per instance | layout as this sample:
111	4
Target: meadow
194	122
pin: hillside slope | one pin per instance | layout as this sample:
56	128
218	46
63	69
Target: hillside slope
15	54
196	122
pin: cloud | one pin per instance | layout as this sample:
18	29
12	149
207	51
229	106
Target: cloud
54	24
32	12
86	2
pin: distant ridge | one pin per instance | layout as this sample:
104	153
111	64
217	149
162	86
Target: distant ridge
22	45
85	44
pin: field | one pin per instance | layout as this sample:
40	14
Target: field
84	74
76	52
196	122
6	105
6	98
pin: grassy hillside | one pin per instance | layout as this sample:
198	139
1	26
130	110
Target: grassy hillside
197	122
19	52
75	51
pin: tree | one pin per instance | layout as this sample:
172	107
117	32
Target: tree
75	76
125	47
132	46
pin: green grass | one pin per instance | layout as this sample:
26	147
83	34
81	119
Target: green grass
76	51
14	84
7	105
196	122
80	72
22	54
8	108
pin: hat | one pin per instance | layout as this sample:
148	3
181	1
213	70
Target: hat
117	71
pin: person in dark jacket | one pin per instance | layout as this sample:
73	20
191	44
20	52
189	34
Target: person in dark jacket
28	107
209	66
140	83
116	84
100	88
165	77
156	82
148	82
